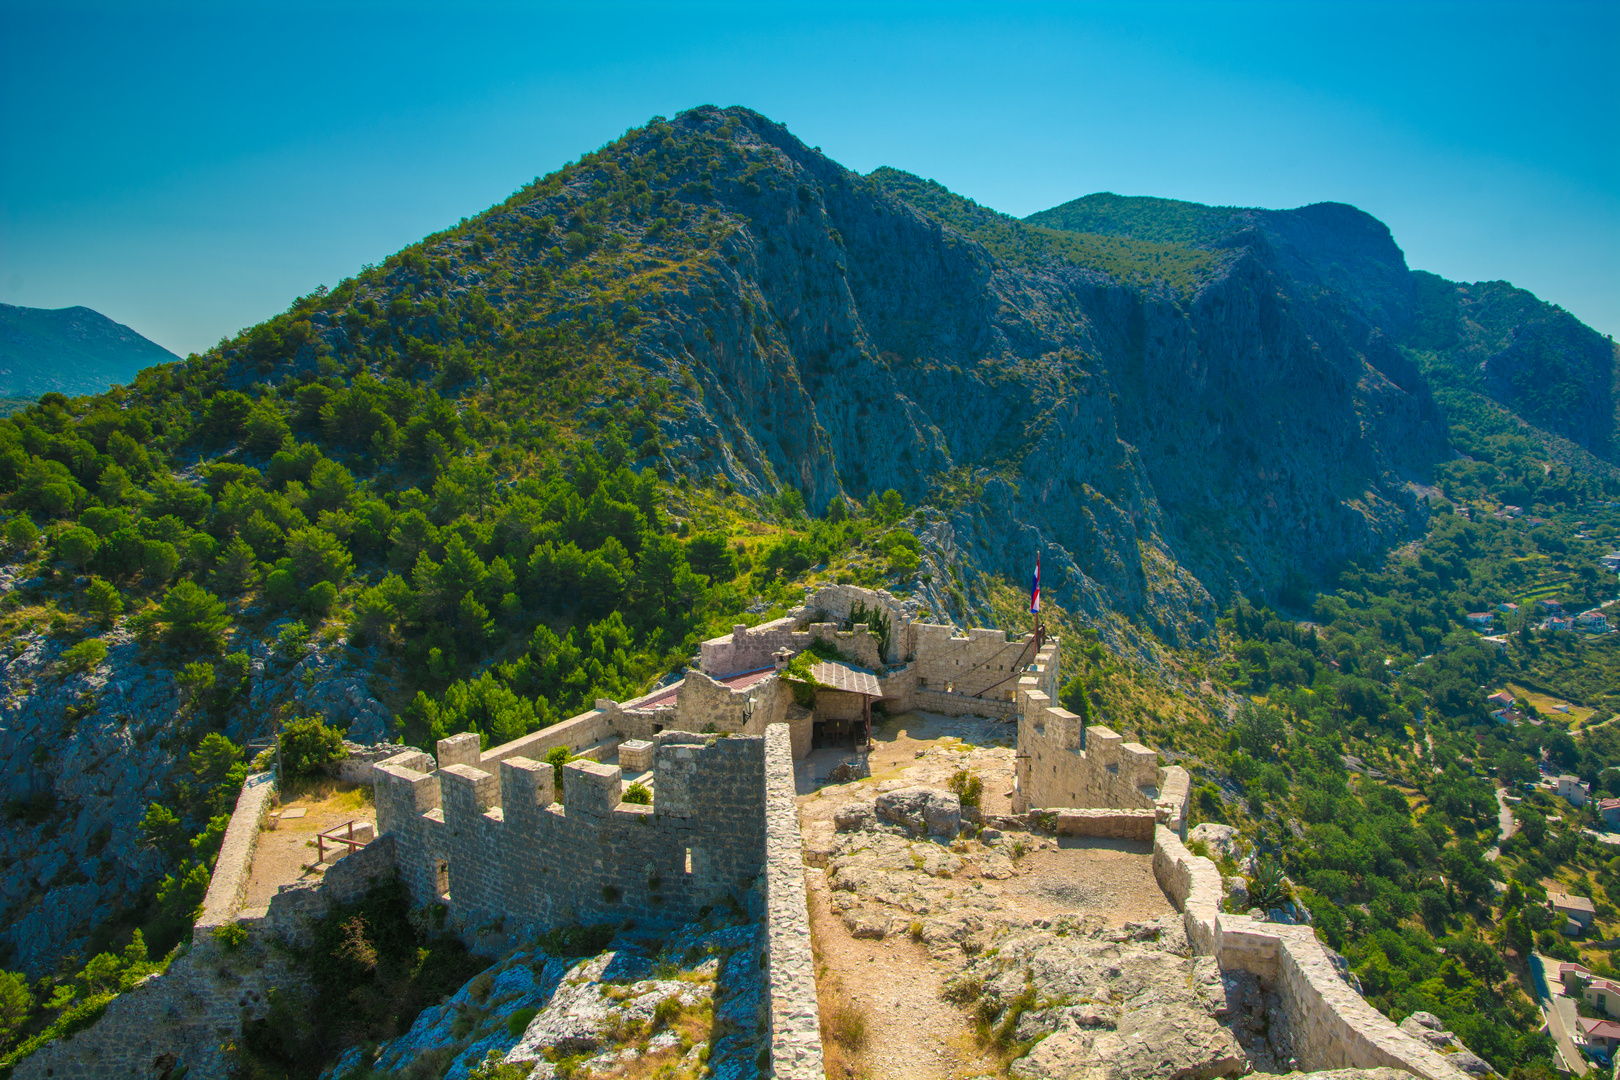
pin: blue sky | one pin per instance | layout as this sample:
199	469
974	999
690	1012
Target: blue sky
188	169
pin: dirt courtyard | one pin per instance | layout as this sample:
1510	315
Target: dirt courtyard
893	917
286	852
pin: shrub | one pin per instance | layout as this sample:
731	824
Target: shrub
21	532
232	935
193	617
103	599
518	1022
639	794
85	655
557	757
308	744
968	787
291	641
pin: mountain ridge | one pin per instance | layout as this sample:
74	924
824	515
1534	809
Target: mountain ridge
72	350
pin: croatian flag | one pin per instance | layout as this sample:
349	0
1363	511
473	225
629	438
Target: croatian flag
1035	587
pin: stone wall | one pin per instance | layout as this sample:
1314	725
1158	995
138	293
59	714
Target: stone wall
295	908
578	733
501	847
751	648
234	866
1330	1025
1112	824
938	701
182	1016
790	975
968	663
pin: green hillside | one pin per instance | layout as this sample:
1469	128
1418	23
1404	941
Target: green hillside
1135	260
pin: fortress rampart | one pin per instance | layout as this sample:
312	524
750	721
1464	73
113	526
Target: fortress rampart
502	845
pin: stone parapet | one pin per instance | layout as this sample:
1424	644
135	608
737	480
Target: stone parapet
1330	1025
1193	884
234	865
789	962
1112	824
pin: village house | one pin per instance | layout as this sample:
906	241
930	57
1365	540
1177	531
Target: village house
1578	912
1609	811
1574	977
1480	620
1593	622
1499	643
1571	788
1501	699
1602	995
1601	1036
1508	606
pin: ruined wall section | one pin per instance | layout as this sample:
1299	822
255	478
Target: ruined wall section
494	847
838	602
751	648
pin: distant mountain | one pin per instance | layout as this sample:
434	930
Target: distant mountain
74	350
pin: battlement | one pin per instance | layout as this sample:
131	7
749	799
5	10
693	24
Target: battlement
504	846
1062	764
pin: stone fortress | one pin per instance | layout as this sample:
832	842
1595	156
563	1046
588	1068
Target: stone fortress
487	835
491	837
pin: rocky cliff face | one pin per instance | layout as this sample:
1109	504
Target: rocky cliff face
82	755
1161	447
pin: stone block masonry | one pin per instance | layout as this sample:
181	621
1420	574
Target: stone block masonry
794	1014
183	1016
496	848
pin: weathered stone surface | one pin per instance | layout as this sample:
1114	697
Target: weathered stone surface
1432	1030
922	810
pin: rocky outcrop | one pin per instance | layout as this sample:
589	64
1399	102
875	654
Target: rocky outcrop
82	755
685	1000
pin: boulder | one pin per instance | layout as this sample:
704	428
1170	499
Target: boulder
1222	840
853	816
922	810
1432	1030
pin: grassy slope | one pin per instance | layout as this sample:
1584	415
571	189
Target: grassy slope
1133	260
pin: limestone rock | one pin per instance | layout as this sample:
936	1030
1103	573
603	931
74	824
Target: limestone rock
852	816
922	810
1432	1030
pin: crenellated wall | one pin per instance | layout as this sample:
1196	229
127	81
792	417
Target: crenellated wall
495	846
1063	764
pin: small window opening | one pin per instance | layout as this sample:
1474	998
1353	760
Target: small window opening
688	860
441	879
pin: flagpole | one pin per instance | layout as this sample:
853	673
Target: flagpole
1035	603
